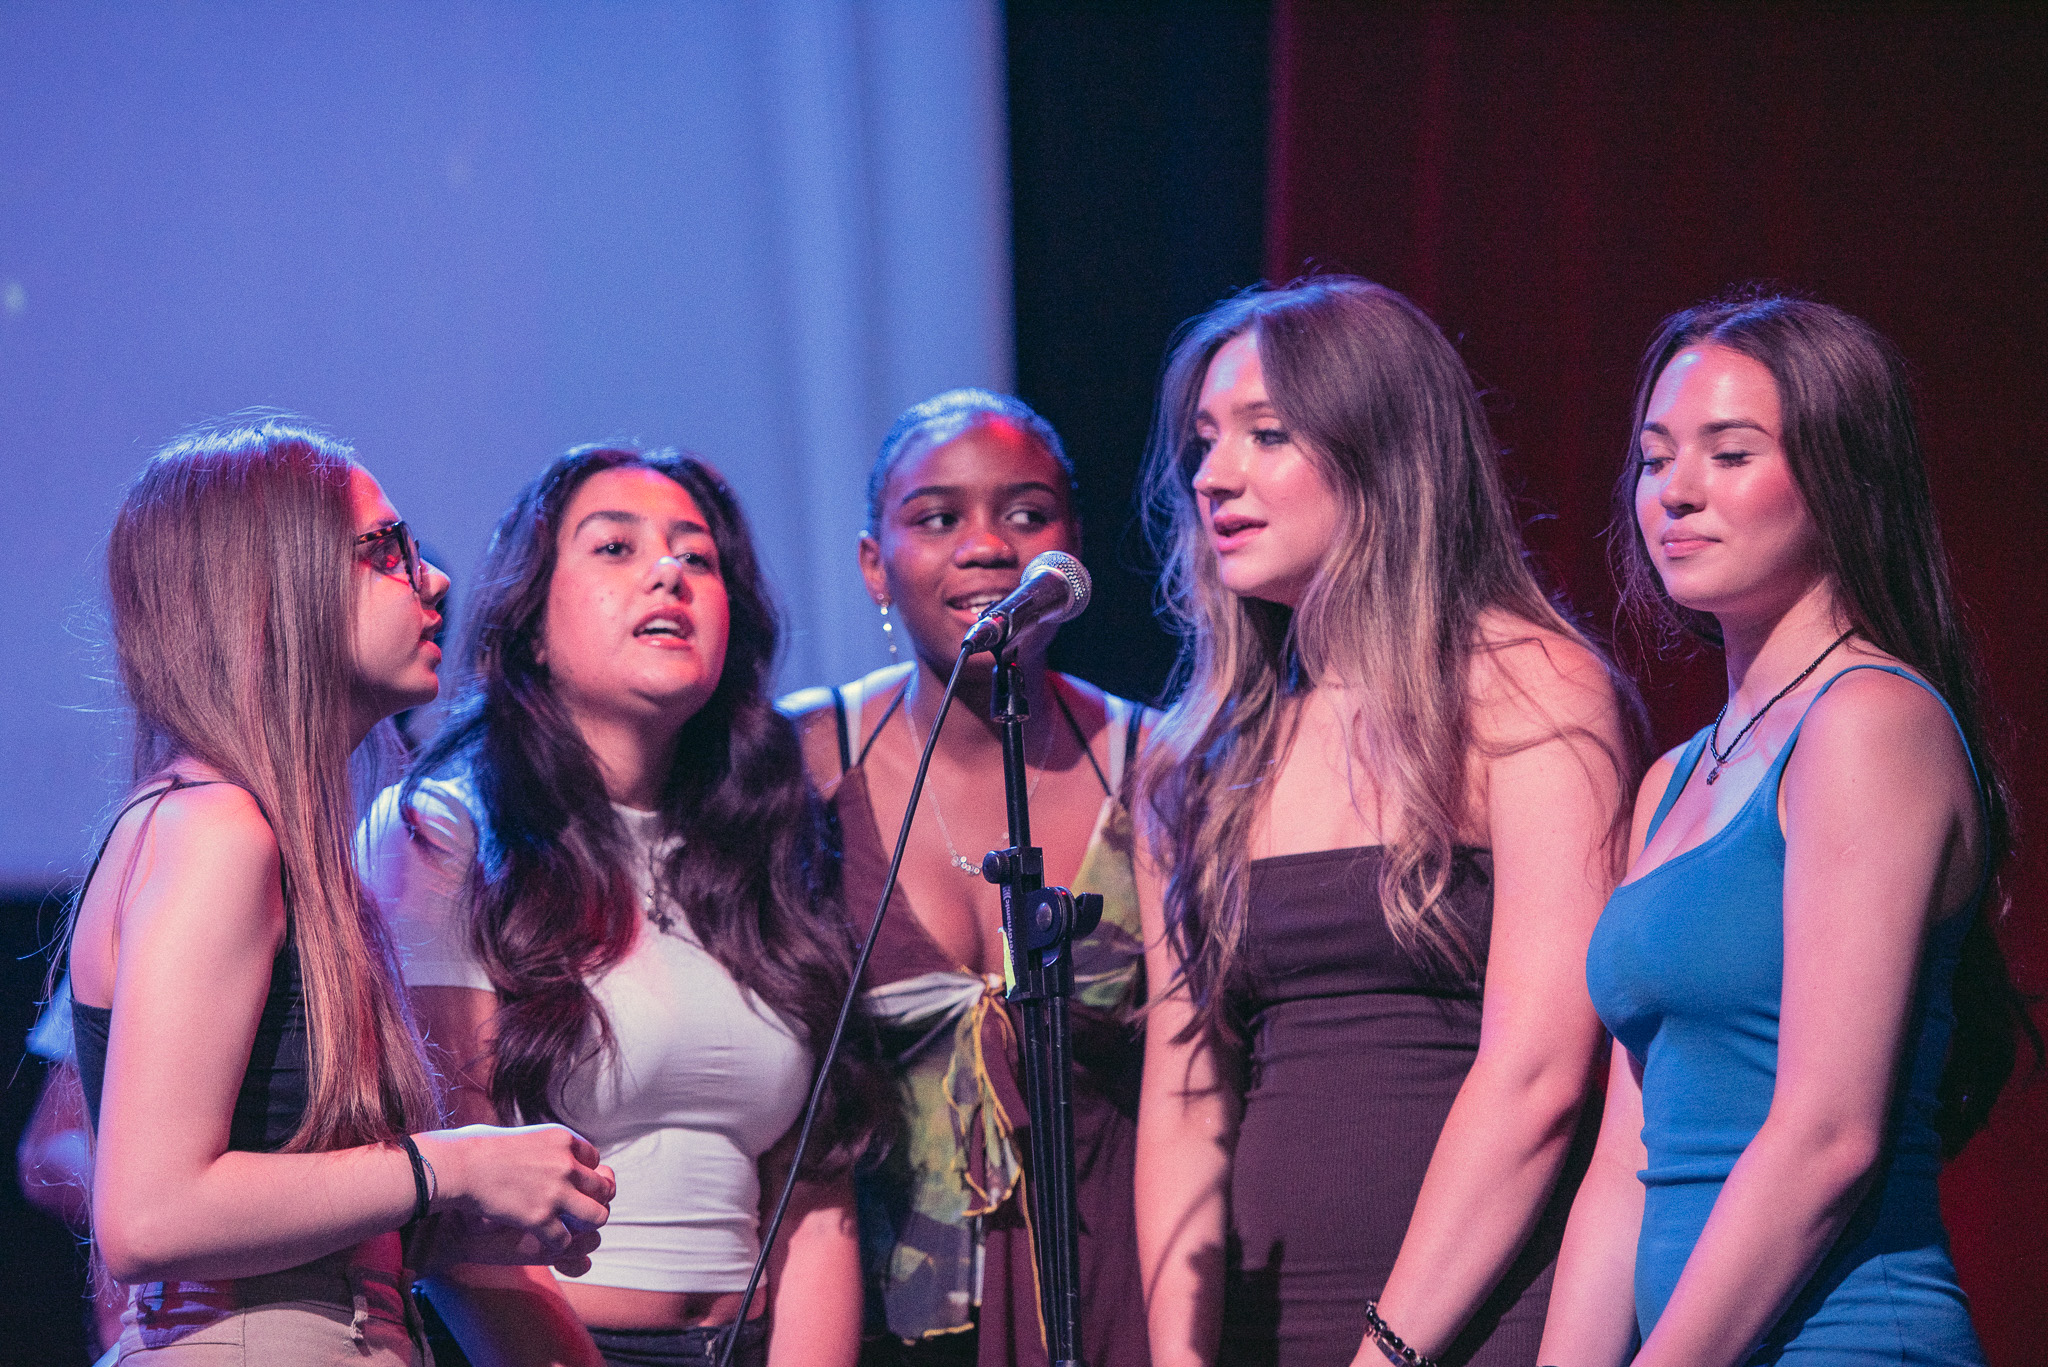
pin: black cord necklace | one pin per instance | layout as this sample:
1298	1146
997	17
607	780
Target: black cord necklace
1721	757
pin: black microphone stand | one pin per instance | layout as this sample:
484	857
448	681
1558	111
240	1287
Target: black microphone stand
819	1078
1040	925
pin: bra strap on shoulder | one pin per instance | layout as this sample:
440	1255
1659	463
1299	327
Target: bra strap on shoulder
1080	736
839	721
887	713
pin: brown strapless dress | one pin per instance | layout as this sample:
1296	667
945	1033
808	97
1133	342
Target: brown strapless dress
1356	1054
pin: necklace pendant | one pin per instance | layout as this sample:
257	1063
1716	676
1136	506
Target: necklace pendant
966	866
1713	774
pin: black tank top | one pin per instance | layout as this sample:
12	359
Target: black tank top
273	1096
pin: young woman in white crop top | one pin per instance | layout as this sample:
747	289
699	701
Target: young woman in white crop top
605	883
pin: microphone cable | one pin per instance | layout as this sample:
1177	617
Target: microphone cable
860	963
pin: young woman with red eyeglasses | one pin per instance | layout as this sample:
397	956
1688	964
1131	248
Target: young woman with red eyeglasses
264	1119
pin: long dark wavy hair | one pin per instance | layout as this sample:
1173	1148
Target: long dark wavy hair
1426	547
555	905
1854	450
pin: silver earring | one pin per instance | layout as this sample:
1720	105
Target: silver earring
888	630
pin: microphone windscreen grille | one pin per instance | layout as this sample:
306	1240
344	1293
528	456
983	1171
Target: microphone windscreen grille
1076	574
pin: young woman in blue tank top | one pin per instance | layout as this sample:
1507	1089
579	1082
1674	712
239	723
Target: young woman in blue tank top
1799	970
264	1120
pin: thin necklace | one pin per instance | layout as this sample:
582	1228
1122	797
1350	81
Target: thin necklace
972	867
1721	757
662	918
658	914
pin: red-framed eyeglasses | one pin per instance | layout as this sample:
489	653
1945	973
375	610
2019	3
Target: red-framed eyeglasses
388	550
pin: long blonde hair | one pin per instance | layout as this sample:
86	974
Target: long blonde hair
231	582
1426	543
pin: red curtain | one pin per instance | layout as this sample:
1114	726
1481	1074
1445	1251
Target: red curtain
1550	181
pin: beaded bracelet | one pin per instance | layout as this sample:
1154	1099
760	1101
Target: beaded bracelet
1390	1342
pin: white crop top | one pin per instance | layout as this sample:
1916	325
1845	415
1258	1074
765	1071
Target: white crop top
706	1078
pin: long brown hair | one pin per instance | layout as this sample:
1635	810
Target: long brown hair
554	901
1426	544
231	582
1854	450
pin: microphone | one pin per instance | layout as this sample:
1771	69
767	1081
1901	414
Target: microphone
1055	589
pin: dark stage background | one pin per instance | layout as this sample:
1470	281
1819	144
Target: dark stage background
42	1268
1137	188
1550	181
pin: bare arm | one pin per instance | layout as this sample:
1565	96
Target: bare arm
502	1316
1881	835
1188	1109
815	1264
192	932
817	729
1550	810
1592	1320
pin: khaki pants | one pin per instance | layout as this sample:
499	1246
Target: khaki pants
348	1308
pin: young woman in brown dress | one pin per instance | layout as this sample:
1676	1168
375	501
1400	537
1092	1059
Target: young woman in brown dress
968	487
1376	829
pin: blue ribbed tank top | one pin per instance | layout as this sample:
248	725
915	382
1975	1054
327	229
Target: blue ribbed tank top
1686	968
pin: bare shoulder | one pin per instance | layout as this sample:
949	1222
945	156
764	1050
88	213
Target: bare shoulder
1079	691
1090	704
218	821
204	853
815	712
1148	715
806	705
1871	722
1650	793
1148	723
1092	710
1515	655
1529	680
1877	697
1660	774
812	712
1879	770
